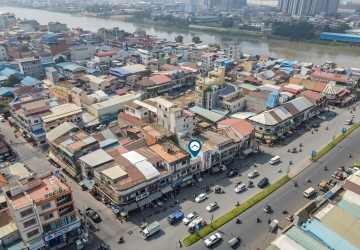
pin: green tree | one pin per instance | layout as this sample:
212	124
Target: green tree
215	45
228	22
60	59
179	39
196	39
12	81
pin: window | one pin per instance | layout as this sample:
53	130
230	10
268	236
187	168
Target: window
183	162
26	212
45	206
64	208
29	222
36	121
33	233
48	216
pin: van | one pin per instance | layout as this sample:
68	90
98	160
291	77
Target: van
274	160
348	122
309	192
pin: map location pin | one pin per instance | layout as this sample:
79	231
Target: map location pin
194	147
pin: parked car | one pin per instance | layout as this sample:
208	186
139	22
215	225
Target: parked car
212	206
93	214
263	183
240	188
267	209
190	217
212	239
321	117
223	167
232	173
201	197
333	114
315	125
253	174
337	175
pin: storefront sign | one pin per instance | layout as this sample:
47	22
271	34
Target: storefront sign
62	231
55	192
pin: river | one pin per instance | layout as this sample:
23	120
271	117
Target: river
343	56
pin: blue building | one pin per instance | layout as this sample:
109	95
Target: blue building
343	38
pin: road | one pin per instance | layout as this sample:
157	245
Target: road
111	229
255	235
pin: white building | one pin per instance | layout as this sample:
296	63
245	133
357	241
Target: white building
235	52
82	52
57	27
3	55
31	66
145	56
7	19
28	25
174	118
102	58
207	60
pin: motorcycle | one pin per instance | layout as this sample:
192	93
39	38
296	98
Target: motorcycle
295	184
258	220
238	221
237	204
350	155
121	240
284	211
325	168
327	128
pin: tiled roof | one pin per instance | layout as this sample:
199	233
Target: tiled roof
312	95
160	79
330	76
131	119
26	90
108	53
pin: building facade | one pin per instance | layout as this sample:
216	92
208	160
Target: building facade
31	67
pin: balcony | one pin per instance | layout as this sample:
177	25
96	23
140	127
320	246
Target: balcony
64	201
66	210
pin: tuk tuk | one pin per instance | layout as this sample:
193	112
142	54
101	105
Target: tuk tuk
273	225
250	184
233	242
219	190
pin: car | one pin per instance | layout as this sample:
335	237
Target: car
93	214
223	167
321	117
263	183
190	217
267	209
212	206
341	168
337	175
349	122
232	173
212	239
315	125
2	119
201	197
253	174
240	188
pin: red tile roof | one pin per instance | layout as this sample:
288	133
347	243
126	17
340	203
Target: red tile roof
160	79
240	126
122	91
108	53
131	119
312	95
330	76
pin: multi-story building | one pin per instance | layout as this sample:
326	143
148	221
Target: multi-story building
3	54
71	70
31	66
308	7
61	94
230	5
56	47
234	52
43	209
29	25
7	19
207	88
57	27
174	118
68	112
82	52
207	60
104	83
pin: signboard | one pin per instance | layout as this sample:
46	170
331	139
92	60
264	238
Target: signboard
62	231
55	192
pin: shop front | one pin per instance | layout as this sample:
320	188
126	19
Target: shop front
63	234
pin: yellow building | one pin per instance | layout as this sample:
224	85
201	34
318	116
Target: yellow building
214	79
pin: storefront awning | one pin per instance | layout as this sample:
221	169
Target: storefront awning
131	206
149	199
167	189
87	183
248	151
268	141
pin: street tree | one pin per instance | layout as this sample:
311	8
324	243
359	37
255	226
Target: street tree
215	45
60	59
196	39
179	39
12	81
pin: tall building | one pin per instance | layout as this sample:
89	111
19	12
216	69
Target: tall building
31	66
43	209
308	7
229	5
57	27
7	19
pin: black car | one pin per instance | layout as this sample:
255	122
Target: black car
333	114
232	173
315	125
263	183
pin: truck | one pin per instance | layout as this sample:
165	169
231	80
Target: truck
150	229
323	186
175	216
92	214
273	225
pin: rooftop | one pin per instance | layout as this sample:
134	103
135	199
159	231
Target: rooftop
169	152
114	173
61	111
115	100
96	158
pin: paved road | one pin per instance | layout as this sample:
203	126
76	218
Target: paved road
111	229
255	235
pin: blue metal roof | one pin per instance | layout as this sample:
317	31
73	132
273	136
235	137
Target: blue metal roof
326	235
349	207
7	72
39	131
30	81
227	90
7	91
120	72
340	37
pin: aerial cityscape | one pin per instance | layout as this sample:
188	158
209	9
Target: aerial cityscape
188	124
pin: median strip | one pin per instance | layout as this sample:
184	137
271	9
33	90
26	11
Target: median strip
335	142
191	239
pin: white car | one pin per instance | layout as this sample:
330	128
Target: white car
321	117
212	206
253	174
190	218
240	188
212	239
201	197
223	168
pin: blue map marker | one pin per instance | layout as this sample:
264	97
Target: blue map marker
194	147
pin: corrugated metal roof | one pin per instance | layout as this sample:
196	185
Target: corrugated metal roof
350	207
283	242
60	131
96	158
147	169
301	103
114	172
133	157
352	197
208	114
305	240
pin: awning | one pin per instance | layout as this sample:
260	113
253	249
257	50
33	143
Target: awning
131	206
167	189
248	151
87	183
177	183
187	178
268	141
185	183
149	199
